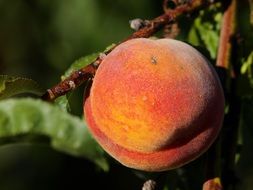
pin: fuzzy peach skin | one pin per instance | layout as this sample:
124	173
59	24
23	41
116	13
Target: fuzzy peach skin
155	104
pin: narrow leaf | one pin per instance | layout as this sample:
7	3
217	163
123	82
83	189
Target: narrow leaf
83	61
247	64
80	63
62	101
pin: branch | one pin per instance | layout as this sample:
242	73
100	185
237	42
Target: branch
226	35
231	122
79	77
224	61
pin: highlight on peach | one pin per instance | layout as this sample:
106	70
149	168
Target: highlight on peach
155	105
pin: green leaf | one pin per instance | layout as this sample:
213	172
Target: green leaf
205	31
80	63
109	47
246	66
193	37
62	101
84	61
35	117
10	86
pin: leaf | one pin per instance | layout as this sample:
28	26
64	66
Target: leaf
205	31
10	86
109	47
83	61
246	68
193	37
247	64
63	103
80	63
68	133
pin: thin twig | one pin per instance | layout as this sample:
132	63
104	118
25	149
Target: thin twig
232	119
226	35
79	77
223	63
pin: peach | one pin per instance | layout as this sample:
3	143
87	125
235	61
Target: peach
155	105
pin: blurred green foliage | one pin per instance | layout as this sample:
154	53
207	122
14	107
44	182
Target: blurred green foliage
42	40
207	21
67	133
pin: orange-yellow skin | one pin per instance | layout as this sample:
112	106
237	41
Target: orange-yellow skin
155	104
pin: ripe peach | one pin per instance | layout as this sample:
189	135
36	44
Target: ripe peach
155	104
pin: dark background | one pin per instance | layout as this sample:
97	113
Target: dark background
40	39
